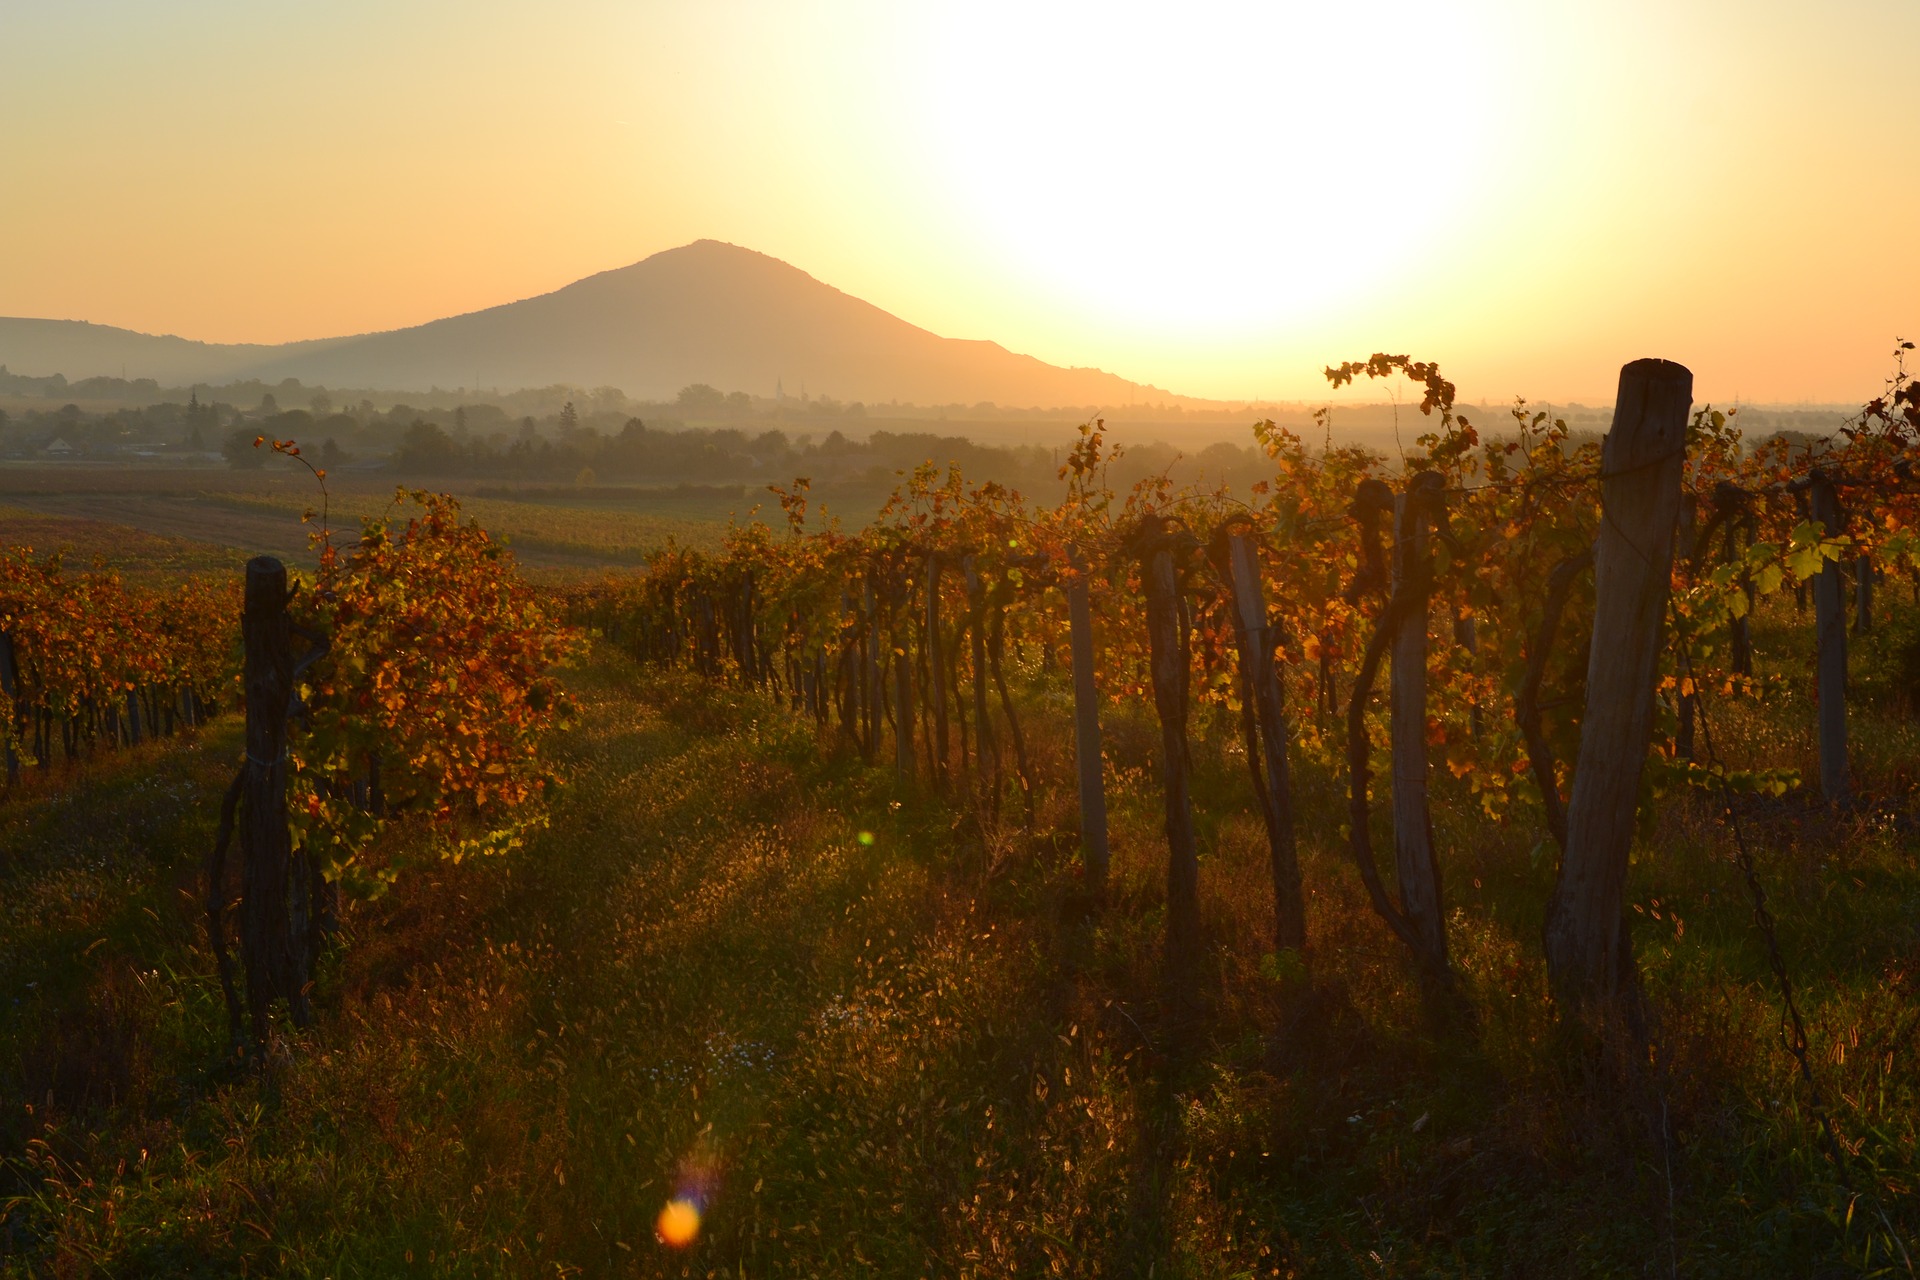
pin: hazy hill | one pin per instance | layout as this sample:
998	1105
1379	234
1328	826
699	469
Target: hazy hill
706	312
82	350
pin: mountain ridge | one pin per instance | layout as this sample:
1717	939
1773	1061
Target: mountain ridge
705	312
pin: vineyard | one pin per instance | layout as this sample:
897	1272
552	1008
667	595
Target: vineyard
1658	545
1168	881
89	664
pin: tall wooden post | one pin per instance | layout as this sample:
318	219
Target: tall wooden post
1830	629
1732	500
1862	593
275	962
1589	951
1262	681
986	753
903	703
936	676
1416	867
872	690
10	690
1167	660
1086	724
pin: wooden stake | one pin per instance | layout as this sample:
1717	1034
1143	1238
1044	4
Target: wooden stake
903	683
985	751
936	675
1262	684
1589	951
275	960
1086	725
1415	865
1155	543
1830	630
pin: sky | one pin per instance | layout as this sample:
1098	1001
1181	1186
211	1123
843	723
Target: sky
1216	198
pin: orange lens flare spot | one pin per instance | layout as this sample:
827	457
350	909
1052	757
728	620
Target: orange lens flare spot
679	1223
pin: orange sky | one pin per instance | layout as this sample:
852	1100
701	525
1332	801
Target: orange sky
1219	198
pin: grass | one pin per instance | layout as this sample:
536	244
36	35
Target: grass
875	1038
610	532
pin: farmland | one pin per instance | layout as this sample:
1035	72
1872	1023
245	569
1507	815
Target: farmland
220	517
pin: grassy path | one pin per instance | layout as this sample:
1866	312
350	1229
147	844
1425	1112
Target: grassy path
865	1040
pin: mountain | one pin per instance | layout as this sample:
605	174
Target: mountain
705	312
79	350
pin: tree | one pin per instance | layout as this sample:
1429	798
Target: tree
200	417
426	448
701	400
239	450
569	419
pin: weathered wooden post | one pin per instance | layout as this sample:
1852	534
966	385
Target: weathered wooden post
1466	634
1086	723
871	688
998	597
903	702
1730	502
986	752
1155	543
1862	593
1416	868
1830	630
10	690
936	676
275	962
1589	950
1262	683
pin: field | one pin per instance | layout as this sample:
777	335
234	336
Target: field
874	1037
203	516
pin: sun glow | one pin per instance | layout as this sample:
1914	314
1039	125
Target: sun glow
1243	165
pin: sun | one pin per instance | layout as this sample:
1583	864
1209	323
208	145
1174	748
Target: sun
1206	167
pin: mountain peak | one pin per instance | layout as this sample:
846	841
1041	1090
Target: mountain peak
708	311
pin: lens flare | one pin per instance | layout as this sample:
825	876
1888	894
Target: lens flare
679	1223
866	838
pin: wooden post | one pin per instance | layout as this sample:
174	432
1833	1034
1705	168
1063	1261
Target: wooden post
1416	868
1732	501
1862	593
1155	543
10	690
903	683
871	691
936	675
1466	634
1830	630
998	597
1086	725
986	754
1262	683
275	962
1589	951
